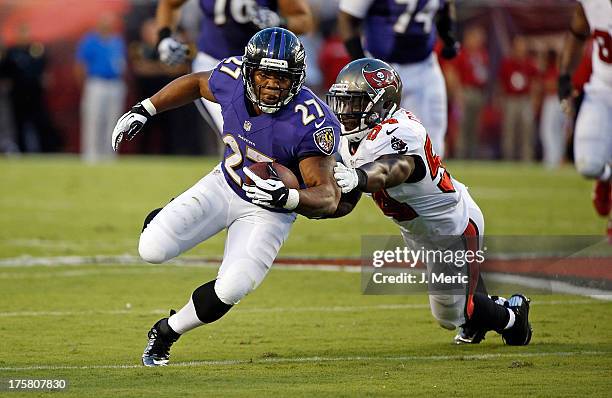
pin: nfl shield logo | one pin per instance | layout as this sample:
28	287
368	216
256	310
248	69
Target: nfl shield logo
247	126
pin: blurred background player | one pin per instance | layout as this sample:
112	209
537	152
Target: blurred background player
403	33
268	115
593	130
226	27
387	154
101	64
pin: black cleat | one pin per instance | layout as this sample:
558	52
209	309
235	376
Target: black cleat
161	338
468	335
520	333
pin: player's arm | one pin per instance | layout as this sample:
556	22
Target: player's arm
349	28
571	54
297	14
178	92
347	203
171	52
385	172
321	197
445	24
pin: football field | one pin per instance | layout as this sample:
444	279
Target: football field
76	303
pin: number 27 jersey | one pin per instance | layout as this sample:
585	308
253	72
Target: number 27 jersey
433	205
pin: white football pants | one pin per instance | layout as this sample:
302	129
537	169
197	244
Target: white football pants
593	135
254	234
424	94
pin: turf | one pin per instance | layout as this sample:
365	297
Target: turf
303	332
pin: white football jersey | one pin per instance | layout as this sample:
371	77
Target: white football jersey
433	206
599	16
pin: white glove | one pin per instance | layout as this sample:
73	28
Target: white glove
172	52
270	193
263	17
346	177
132	122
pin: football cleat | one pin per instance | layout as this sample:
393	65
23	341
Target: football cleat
161	338
601	198
468	335
520	333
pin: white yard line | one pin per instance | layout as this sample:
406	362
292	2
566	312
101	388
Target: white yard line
257	310
408	358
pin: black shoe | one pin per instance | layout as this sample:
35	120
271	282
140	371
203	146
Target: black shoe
468	335
520	333
161	338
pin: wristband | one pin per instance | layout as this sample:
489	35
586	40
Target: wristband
148	105
354	48
293	199
163	33
362	179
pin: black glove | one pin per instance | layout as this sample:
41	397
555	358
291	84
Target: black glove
564	89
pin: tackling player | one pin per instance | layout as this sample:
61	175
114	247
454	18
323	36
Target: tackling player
403	33
593	130
388	155
268	116
226	27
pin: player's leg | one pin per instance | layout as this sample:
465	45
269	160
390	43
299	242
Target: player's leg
483	312
593	149
187	220
114	107
253	241
210	111
90	114
425	96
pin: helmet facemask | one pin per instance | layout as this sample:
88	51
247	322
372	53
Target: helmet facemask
273	66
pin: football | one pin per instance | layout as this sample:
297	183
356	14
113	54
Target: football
267	170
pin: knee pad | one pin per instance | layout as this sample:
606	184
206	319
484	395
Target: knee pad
590	168
232	287
150	250
207	304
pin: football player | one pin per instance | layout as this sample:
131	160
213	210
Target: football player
593	130
387	154
268	116
226	27
403	33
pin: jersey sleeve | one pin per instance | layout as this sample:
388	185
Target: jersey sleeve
355	8
224	79
321	135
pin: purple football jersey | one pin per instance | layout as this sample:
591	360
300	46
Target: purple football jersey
395	32
304	127
225	28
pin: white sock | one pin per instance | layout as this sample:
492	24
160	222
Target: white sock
511	320
185	320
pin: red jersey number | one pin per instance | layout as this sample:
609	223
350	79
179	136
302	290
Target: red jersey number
604	45
436	168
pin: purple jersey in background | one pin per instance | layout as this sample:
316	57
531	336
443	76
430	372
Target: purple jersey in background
225	28
401	31
303	128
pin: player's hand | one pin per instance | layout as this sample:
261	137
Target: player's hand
172	52
450	50
263	17
270	193
564	90
129	125
346	177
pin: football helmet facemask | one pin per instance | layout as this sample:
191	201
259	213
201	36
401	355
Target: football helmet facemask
278	52
366	92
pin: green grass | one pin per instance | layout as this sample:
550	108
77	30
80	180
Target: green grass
58	206
78	316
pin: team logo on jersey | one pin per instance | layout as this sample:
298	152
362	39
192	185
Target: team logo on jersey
247	125
399	145
325	140
380	78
